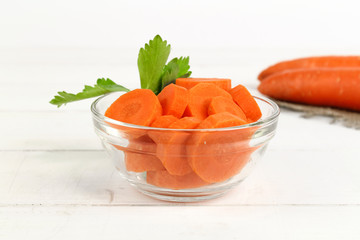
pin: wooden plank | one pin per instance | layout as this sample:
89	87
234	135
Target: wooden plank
186	222
47	131
284	177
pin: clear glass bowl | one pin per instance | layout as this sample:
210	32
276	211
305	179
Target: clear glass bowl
214	160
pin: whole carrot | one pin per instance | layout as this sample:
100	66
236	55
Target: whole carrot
310	63
324	87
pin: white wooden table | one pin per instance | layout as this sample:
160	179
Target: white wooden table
57	183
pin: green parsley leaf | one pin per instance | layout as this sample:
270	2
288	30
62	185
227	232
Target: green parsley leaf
101	87
170	73
184	67
176	68
154	73
151	61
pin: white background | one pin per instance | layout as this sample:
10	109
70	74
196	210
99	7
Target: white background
186	24
248	34
55	180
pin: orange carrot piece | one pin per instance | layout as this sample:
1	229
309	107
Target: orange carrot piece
140	155
173	99
200	97
166	180
185	123
171	148
164	121
140	107
188	83
217	165
224	120
161	122
221	120
323	87
221	104
246	102
312	63
217	156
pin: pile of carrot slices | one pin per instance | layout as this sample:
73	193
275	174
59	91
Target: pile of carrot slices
332	81
181	159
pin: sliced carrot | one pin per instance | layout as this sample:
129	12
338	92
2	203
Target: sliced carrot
140	107
140	155
324	87
200	97
219	166
164	121
163	137
136	162
222	104
221	120
224	120
166	180
173	99
161	122
171	149
216	156
188	83
312	63
185	123
246	102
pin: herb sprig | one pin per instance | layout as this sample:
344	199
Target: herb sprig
154	73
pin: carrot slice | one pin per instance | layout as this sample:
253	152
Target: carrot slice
224	120
221	120
324	87
171	148
140	107
173	99
161	122
222	162
312	63
166	180
246	102
217	156
164	121
188	83
140	155
185	123
221	104
200	97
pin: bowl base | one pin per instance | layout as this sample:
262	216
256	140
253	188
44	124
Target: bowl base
187	195
182	197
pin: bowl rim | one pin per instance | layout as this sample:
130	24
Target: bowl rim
260	123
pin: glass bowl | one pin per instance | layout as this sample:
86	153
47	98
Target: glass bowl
184	165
